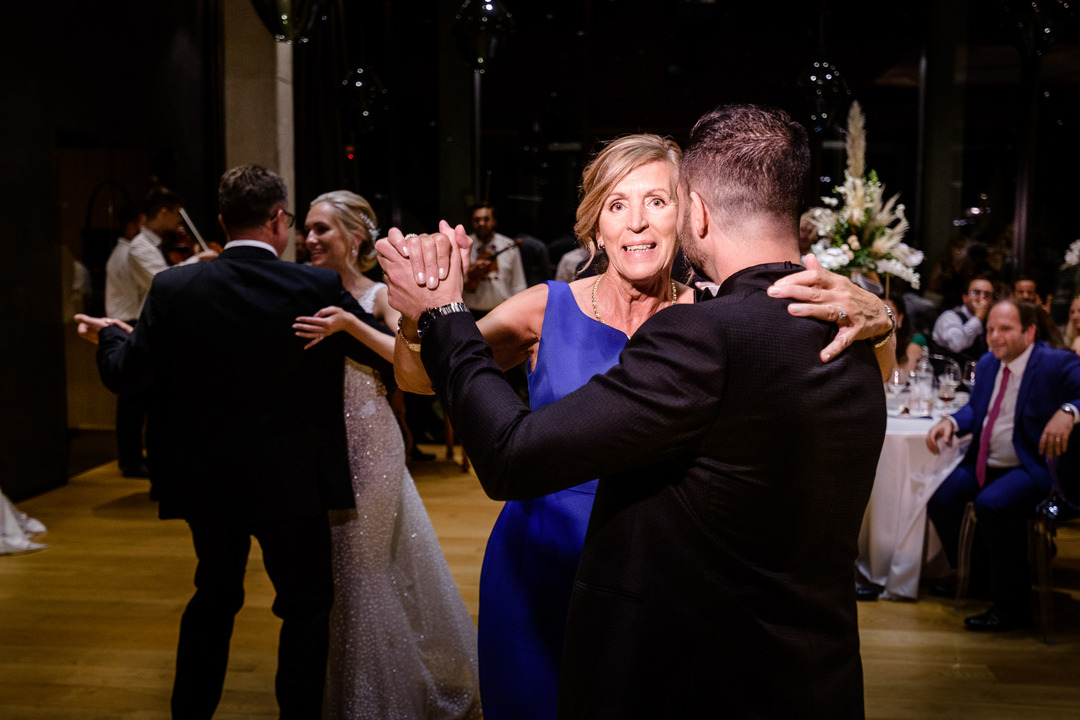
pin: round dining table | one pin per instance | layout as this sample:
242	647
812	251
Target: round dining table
896	541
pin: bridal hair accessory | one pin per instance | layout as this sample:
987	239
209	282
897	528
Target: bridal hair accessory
372	230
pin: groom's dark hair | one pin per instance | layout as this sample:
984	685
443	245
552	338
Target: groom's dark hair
748	160
247	195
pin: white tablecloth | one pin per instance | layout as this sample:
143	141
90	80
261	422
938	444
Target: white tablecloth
891	541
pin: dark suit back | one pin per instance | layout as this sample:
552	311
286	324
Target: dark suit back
716	577
245	422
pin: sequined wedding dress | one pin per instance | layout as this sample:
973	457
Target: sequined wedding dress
402	644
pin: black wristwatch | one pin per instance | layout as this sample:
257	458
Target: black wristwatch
429	316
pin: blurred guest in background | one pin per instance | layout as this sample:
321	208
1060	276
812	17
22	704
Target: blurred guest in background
123	300
959	332
496	271
1026	290
909	344
1072	327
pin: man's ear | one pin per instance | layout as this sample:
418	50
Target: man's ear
699	216
221	222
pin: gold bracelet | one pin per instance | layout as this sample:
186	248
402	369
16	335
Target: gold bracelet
884	339
413	346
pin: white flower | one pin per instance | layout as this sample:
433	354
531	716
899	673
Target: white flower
831	258
890	266
908	255
1072	255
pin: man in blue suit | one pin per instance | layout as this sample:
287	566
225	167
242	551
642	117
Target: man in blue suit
1025	397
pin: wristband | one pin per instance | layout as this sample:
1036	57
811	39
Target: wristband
882	339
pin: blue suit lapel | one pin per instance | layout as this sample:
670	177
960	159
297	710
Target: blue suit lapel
1030	373
984	390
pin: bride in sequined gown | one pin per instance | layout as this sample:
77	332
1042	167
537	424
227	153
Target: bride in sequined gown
402	644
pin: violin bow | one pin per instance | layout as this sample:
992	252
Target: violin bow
194	230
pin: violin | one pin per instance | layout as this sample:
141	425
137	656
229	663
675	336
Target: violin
484	265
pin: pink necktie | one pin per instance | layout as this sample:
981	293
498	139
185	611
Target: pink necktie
984	441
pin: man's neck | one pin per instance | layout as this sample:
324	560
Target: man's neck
752	245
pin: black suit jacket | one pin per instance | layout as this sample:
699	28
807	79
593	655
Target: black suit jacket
244	423
716	578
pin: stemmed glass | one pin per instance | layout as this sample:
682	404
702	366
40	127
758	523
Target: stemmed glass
969	375
948	381
895	385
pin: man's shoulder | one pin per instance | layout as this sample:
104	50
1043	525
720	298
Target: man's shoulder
1054	357
953	312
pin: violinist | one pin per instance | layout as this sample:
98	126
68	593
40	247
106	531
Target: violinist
496	271
164	216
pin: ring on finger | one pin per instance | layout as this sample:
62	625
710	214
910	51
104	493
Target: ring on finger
411	235
840	314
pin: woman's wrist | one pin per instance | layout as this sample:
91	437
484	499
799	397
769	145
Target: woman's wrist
412	345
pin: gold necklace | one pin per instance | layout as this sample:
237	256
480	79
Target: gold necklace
596	308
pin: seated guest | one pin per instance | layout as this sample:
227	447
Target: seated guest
1026	290
959	333
909	344
1023	407
1072	328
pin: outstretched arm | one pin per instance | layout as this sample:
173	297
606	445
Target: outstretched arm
333	319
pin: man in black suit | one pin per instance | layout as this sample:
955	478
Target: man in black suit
734	465
248	435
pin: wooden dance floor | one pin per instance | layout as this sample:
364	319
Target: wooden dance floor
88	626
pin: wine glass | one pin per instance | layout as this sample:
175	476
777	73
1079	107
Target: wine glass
896	382
948	381
895	385
969	375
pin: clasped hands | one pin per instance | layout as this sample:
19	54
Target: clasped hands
423	271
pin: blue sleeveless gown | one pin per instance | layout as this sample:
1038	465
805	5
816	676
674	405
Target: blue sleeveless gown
534	548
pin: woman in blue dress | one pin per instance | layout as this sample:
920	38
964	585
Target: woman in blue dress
568	332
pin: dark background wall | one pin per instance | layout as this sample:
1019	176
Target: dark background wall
94	92
124	93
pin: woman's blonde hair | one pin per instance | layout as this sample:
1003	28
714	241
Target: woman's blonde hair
355	216
617	160
1070	330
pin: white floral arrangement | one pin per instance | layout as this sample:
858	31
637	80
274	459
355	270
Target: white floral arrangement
861	233
1072	255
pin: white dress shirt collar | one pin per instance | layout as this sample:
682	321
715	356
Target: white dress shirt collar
1019	363
251	243
1002	452
152	236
